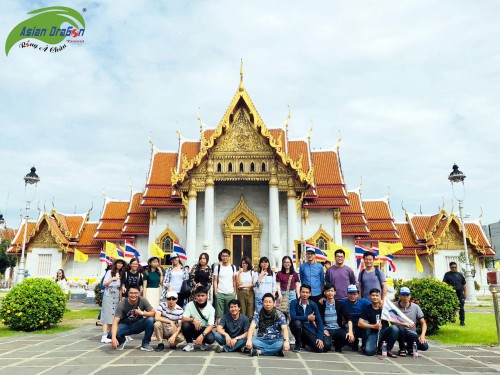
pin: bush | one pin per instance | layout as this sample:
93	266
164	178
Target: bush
32	305
98	295
437	300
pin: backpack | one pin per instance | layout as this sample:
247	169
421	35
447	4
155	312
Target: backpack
232	266
102	281
377	273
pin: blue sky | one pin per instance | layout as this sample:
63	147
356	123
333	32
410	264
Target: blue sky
412	86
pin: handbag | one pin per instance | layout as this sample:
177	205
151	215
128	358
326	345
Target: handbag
284	305
185	287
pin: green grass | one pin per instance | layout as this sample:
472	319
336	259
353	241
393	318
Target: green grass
480	329
65	325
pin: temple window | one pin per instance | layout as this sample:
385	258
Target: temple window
230	167
252	167
242	168
167	245
322	243
263	167
242	222
219	167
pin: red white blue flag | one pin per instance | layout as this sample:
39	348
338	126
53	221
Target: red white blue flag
181	252
320	254
105	259
360	250
131	251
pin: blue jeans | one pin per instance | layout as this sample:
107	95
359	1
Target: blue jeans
222	341
267	346
406	339
389	335
258	304
145	325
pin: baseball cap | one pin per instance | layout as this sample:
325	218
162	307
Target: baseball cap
405	291
352	289
174	255
171	293
310	250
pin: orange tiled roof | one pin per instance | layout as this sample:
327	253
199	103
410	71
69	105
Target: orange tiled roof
407	238
277	133
112	219
327	168
295	149
352	217
18	239
160	168
380	222
137	220
7	234
87	240
189	149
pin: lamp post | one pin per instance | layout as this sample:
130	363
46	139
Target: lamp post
30	179
457	177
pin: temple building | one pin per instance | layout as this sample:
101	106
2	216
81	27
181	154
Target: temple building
253	190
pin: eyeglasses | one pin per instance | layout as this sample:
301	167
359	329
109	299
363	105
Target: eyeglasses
171	298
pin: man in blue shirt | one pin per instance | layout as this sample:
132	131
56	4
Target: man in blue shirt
354	306
312	274
305	322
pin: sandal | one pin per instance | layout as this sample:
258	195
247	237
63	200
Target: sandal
402	353
391	355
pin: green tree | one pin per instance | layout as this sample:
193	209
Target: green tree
6	260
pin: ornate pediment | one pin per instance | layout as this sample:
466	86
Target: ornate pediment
44	239
241	138
450	239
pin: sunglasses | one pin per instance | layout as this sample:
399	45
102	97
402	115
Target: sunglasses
171	298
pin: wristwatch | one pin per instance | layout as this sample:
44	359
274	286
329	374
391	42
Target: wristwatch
203	334
286	340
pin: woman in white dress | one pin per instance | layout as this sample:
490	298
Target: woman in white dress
111	296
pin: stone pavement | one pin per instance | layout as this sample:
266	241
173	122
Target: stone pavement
80	352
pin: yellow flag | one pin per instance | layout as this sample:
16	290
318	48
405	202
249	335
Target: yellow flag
334	247
111	250
156	251
497	264
420	268
385	248
80	257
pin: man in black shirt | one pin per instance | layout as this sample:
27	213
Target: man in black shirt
457	281
232	330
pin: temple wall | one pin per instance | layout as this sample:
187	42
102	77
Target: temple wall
38	267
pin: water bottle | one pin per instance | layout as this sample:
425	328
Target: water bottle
384	350
415	350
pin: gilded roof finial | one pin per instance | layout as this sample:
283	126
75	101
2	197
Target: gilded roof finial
360	184
339	140
421	210
242	86
388	192
200	121
179	136
150	140
286	130
310	131
480	216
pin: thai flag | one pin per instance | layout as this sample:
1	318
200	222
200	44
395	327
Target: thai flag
105	259
120	251
320	255
181	252
131	251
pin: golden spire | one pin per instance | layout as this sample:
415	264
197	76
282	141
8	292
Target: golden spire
242	86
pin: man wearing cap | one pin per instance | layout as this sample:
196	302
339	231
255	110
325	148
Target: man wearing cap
354	305
408	335
340	275
168	322
311	273
456	280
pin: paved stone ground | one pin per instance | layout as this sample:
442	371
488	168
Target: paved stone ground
80	352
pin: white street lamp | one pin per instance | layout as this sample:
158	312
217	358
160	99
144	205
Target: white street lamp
457	177
30	179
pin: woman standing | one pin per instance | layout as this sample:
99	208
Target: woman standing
174	277
264	282
132	277
111	296
62	281
246	295
283	277
152	280
201	274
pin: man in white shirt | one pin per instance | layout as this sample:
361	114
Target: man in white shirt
224	284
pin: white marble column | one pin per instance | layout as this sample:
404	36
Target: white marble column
209	212
191	226
292	219
275	251
337	227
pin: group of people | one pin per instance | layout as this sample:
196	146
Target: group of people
257	311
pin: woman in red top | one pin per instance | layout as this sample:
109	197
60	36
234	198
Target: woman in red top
287	271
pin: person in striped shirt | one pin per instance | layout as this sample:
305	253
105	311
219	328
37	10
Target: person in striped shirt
168	322
335	317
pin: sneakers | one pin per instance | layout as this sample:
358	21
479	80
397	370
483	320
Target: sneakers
204	346
147	348
296	349
255	352
121	346
462	323
189	347
280	353
160	348
104	339
218	348
129	338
